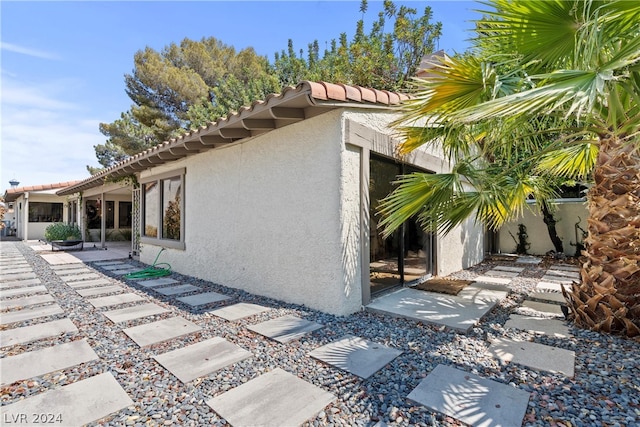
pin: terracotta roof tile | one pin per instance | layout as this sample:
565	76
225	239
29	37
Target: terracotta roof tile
13	193
368	95
335	92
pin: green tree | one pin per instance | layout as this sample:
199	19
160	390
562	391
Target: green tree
576	63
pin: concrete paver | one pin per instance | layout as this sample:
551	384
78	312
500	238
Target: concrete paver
157	282
77	265
162	330
59	258
19	283
17	276
25	301
558	279
554	297
114	300
533	355
563	273
16	269
285	328
543	308
30	290
550	327
501	273
100	290
176	290
116	266
458	312
30	313
552	287
123	271
35	332
528	260
356	355
474	400
105	263
89	283
492	279
135	312
75	404
49	359
276	398
78	277
72	271
201	299
201	359
238	311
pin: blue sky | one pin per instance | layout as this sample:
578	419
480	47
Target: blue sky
63	63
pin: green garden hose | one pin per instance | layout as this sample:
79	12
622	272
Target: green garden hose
156	270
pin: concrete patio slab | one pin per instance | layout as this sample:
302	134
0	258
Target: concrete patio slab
75	404
25	301
162	330
176	290
201	359
100	290
543	308
458	312
533	355
493	280
157	282
30	314
30	290
17	276
19	283
474	400
551	287
78	277
356	355
135	312
95	283
276	398
201	299
115	300
43	361
536	325
36	332
238	311
285	328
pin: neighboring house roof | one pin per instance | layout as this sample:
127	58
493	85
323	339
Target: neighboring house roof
13	193
294	104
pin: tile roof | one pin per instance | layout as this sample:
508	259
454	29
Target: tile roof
13	193
293	104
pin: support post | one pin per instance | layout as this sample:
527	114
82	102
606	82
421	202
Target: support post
103	221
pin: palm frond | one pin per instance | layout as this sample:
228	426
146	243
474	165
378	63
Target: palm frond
572	162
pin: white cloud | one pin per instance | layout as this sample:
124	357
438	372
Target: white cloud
10	47
45	138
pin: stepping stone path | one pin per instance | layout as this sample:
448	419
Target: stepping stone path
537	325
276	398
89	283
35	332
115	300
100	290
471	399
285	328
162	330
75	404
157	282
533	355
79	277
23	291
201	299
26	301
201	359
356	355
135	312
30	313
176	290
38	362
19	283
237	311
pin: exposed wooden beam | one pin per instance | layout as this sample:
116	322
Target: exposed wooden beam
213	140
288	113
179	151
165	155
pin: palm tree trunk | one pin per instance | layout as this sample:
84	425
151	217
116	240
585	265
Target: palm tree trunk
608	299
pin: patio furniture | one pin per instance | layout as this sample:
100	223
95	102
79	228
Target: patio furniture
67	245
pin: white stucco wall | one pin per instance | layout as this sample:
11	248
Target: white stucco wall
567	214
265	216
462	248
35	230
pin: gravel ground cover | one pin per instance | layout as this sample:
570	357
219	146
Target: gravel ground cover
604	392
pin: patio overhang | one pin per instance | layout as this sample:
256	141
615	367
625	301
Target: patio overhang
294	104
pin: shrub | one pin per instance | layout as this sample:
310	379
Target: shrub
60	231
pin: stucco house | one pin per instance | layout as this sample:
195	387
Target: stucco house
33	208
279	199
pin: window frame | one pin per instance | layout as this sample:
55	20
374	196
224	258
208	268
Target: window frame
159	240
36	207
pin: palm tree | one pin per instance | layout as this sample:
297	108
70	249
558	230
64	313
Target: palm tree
567	71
